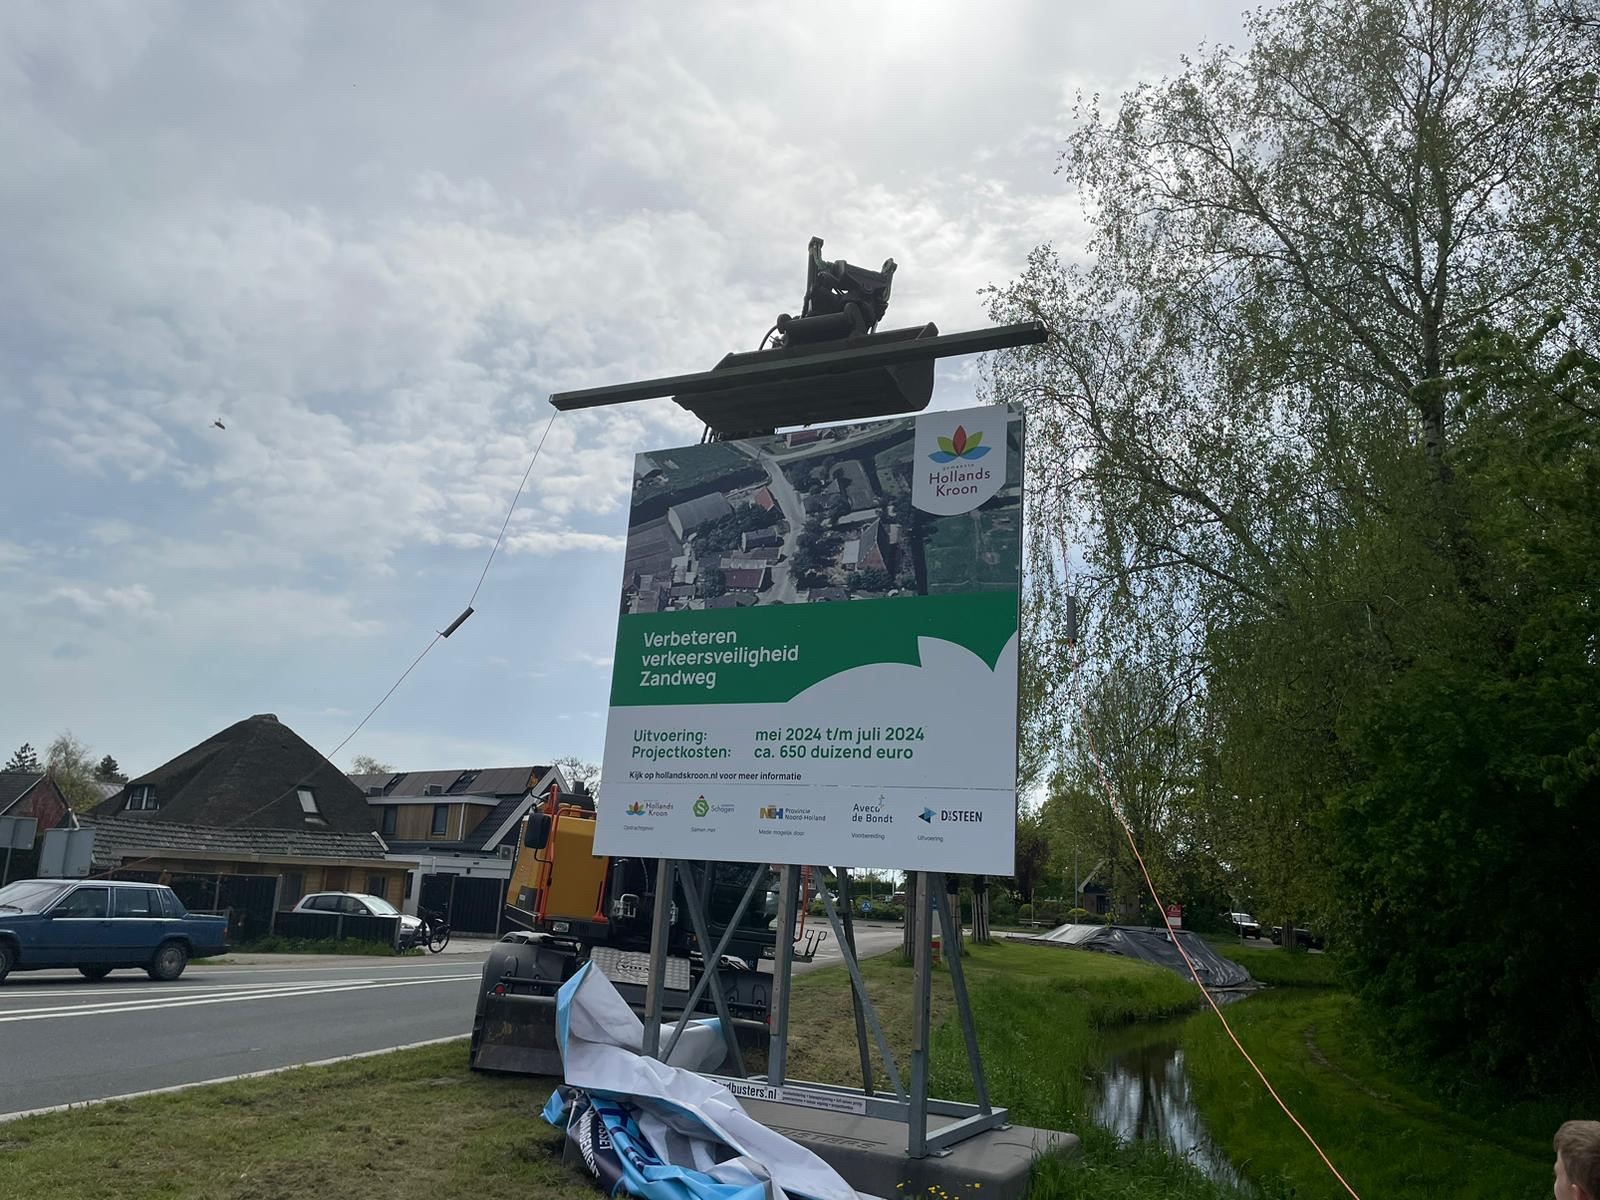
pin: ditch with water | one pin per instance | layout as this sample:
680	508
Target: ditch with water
1144	1094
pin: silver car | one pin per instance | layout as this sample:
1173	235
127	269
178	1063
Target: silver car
358	904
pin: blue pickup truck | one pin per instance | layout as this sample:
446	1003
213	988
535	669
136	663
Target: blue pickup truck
99	926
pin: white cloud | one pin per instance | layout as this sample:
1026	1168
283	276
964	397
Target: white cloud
132	601
372	240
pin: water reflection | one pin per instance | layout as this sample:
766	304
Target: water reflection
1145	1094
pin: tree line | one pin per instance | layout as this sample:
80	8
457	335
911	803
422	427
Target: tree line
1315	448
71	764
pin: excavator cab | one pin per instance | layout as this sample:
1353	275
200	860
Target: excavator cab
570	906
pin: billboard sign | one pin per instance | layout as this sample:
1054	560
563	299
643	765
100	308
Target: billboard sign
816	656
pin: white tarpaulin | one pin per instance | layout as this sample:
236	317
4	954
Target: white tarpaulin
689	1122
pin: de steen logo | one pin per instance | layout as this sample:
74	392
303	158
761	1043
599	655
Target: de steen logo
954	471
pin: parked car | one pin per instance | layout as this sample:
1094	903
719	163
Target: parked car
356	904
1303	938
1244	925
100	926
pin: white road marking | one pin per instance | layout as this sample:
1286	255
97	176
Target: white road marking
184	1087
104	994
380	965
164	1003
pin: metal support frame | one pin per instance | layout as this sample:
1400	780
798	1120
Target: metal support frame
849	943
910	1106
708	972
950	924
660	933
782	973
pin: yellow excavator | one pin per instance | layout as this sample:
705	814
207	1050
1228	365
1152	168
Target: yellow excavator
569	906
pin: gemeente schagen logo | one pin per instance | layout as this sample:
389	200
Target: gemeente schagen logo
701	808
959	446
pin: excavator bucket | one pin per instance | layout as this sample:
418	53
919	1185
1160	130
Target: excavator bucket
514	1030
516	1035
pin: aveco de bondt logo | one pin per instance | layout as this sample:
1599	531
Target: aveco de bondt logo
952	469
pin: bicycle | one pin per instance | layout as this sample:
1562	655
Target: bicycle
435	932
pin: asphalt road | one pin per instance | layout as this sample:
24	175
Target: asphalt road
871	939
64	1040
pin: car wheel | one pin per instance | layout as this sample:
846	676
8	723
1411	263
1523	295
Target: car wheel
94	974
169	962
8	958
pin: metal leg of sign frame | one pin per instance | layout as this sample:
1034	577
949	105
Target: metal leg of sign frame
660	931
667	871
708	968
782	973
847	905
909	1108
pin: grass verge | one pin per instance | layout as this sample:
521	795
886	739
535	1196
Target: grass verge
414	1125
1043	1014
1282	968
1386	1139
417	1125
286	945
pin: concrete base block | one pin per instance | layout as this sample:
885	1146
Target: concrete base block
871	1153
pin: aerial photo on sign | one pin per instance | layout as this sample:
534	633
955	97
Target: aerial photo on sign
817	648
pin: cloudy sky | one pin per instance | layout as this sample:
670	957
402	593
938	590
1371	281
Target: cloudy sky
372	239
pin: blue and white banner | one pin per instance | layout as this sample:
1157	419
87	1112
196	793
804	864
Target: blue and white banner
660	1130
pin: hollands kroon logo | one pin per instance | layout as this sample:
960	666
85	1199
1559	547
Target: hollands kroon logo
635	809
959	446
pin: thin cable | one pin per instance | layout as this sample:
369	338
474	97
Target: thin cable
506	523
395	686
1127	829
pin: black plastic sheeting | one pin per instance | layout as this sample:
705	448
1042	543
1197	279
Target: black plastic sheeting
1154	946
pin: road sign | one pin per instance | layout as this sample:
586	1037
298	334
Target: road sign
816	659
17	833
66	853
1175	915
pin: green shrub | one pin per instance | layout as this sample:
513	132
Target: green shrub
274	944
1002	907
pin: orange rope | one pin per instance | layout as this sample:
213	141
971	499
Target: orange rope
1116	809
